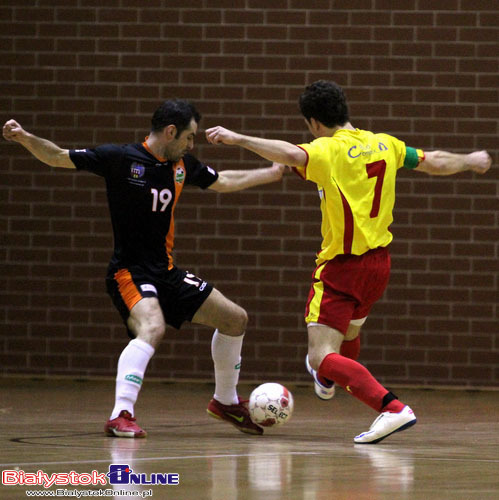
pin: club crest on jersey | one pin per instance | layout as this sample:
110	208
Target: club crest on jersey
179	175
137	170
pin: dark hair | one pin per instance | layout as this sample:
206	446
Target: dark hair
326	102
176	112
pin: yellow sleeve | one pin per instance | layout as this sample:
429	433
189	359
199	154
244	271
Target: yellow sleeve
320	158
300	171
406	156
398	149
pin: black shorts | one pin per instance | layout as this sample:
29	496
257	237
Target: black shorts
179	292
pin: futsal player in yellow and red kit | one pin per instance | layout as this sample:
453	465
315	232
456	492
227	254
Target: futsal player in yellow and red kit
355	173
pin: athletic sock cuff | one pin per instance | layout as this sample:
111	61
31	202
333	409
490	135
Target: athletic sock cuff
229	338
387	399
143	346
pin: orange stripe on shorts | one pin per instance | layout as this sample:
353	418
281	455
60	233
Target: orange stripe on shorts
129	292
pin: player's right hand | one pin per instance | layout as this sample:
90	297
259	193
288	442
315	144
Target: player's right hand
221	135
479	161
12	131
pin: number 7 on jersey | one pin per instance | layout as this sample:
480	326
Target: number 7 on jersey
376	169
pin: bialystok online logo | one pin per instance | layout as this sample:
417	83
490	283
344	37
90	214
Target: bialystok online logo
119	474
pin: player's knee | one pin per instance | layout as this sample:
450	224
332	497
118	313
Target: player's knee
236	323
157	330
152	333
150	329
243	321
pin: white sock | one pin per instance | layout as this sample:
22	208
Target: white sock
226	354
131	368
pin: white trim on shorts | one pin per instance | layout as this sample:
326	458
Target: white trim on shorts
358	322
354	322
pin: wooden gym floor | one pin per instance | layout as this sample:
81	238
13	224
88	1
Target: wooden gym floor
56	426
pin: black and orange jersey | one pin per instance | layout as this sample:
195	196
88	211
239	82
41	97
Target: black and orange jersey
142	193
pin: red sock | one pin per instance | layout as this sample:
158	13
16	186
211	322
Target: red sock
351	348
357	380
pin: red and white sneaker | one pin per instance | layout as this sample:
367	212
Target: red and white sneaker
237	415
124	426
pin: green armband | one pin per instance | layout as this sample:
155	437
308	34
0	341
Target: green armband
411	158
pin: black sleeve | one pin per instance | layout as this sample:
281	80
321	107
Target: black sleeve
197	173
98	160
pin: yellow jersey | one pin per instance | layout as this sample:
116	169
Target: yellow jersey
355	173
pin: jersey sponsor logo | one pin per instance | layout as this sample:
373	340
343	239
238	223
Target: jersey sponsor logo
149	288
365	150
137	170
179	175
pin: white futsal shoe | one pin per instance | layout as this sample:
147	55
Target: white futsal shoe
387	423
322	391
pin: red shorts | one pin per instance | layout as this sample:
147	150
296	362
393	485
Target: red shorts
346	287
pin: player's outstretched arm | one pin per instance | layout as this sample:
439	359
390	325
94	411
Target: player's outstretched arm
46	151
269	149
445	163
237	180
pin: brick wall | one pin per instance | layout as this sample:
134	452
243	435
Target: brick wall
83	72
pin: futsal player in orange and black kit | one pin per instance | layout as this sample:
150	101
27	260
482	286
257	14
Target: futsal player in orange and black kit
144	182
355	172
142	192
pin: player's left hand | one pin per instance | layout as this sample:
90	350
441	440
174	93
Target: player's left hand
479	161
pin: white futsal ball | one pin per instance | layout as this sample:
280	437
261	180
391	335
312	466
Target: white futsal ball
270	405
